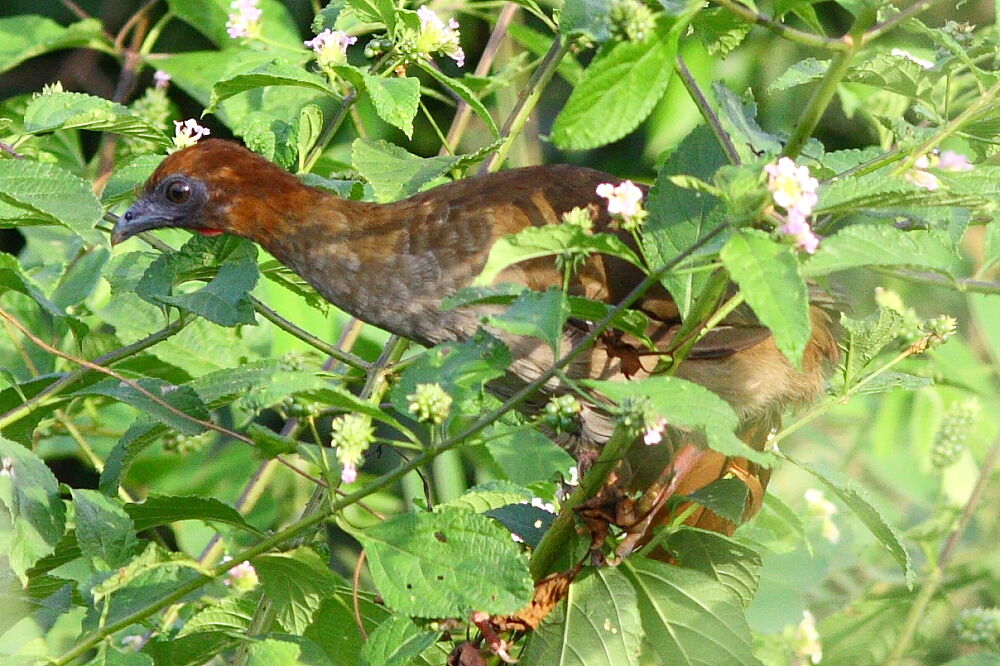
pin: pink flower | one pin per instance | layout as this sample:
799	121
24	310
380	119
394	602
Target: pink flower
331	47
436	37
794	189
798	227
624	200
244	20
242	577
349	473
161	79
949	160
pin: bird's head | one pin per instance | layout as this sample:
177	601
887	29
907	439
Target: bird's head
213	187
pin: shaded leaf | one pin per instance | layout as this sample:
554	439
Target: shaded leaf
296	581
104	531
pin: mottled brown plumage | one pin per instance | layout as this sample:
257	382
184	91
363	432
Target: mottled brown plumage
391	265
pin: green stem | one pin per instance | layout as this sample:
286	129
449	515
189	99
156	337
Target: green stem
699	99
288	327
892	22
526	102
958	284
69	379
828	86
782	30
554	541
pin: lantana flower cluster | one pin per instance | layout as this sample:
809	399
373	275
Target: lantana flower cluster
244	20
430	403
804	641
624	203
330	47
188	133
433	36
948	160
794	189
351	435
818	506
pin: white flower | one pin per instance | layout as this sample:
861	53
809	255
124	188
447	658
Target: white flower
7	468
161	79
436	37
901	53
188	133
924	179
624	199
331	47
244	20
539	503
654	433
805	641
819	507
794	189
242	577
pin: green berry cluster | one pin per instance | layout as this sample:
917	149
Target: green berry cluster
979	626
949	440
561	413
632	20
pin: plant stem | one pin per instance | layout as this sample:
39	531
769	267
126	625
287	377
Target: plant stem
699	99
828	86
305	336
890	23
782	30
526	102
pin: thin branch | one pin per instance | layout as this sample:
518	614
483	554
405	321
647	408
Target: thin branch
131	22
9	149
891	22
699	99
308	338
959	284
782	30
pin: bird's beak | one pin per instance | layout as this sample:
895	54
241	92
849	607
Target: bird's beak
141	216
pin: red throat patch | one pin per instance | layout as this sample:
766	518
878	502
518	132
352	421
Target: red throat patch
205	231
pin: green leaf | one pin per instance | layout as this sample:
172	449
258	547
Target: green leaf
229	615
547	461
721	31
678	216
739	120
396	100
278	27
725	497
597	626
80	278
12	277
527	521
271	137
882	245
24	37
865	338
276	73
67	110
50	191
335	629
396	642
431	565
731	563
465	94
158	510
685	404
181	398
801	72
586	17
866	632
192	650
393	172
490	495
893	73
225	299
309	127
688	617
769	279
104	531
541	315
374	11
30	493
619	89
128	178
549	240
857	500
296	581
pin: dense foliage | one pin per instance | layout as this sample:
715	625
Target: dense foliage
196	448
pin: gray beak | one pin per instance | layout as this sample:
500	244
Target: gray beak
141	216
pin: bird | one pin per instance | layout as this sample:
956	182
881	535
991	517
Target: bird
392	265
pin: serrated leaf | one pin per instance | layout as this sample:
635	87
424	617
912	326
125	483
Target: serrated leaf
209	17
104	531
865	632
50	191
180	398
229	615
30	493
128	178
393	172
887	381
537	314
296	581
720	30
769	279
528	522
678	216
396	642
335	630
739	119
857	500
619	89
688	617
804	71
12	277
867	337
882	245
158	510
490	495
895	73
467	96
69	110
431	565
547	461
26	36
685	404
396	100
79	280
549	240
597	626
276	73
192	650
731	563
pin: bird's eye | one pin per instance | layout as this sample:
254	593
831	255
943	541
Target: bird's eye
178	192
